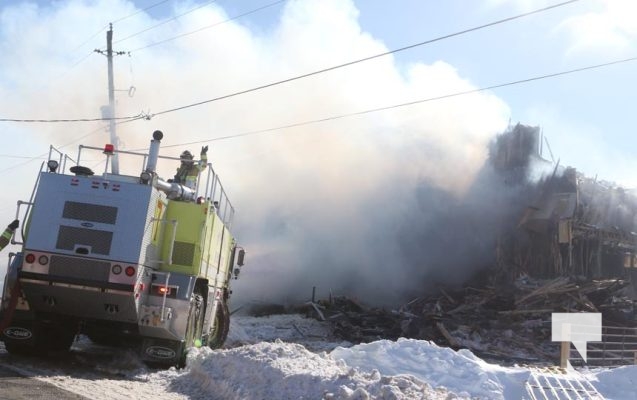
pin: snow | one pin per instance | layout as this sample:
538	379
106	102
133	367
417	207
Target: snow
292	357
460	372
281	370
618	383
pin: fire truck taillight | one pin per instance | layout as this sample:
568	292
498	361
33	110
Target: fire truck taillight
130	271
164	291
43	260
30	258
160	290
116	269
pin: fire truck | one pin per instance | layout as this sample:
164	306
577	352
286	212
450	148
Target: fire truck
122	259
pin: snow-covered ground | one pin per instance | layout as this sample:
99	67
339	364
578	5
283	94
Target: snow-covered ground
291	357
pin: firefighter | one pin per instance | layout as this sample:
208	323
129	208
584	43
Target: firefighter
6	235
188	172
11	284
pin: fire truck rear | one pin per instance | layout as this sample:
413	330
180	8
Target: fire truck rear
123	259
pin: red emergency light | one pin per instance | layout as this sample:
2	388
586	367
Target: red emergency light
109	149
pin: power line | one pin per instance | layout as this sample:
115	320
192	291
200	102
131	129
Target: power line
136	117
118	20
347	64
94	131
394	106
213	25
430	99
43	156
166	21
75	64
30	159
14	156
142	10
102	30
90	38
298	77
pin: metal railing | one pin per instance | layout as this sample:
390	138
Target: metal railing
209	187
618	347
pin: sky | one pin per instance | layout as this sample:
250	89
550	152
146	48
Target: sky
272	357
346	202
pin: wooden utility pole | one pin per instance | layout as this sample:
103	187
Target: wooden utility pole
111	97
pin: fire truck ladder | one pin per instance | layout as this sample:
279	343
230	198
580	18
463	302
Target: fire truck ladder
559	384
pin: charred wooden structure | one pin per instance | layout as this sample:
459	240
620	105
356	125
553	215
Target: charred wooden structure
571	225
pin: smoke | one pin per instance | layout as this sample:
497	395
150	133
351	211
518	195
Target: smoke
376	206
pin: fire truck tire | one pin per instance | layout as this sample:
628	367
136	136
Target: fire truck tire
59	339
20	349
105	340
46	339
219	331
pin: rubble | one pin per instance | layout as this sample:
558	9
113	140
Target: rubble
567	244
501	323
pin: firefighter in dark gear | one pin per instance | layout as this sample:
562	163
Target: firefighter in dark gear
188	172
12	286
6	235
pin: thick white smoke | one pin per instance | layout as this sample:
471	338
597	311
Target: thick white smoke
349	205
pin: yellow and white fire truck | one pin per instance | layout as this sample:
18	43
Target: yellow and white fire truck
123	259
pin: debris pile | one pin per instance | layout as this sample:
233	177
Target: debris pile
568	243
507	324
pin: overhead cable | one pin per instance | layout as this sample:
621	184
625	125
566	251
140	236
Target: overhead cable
410	103
306	75
139	11
129	118
347	64
213	25
90	38
165	22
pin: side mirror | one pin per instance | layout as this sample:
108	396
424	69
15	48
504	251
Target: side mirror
240	259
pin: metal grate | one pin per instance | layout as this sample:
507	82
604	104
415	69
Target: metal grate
70	237
183	253
555	383
77	268
90	212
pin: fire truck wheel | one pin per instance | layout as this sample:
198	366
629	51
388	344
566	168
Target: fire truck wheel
59	339
46	339
219	331
20	349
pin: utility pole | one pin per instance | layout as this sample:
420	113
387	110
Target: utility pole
109	112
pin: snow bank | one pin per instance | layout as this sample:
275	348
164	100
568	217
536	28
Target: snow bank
460	372
273	369
618	383
281	370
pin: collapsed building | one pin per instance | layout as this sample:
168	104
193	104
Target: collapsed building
572	225
565	243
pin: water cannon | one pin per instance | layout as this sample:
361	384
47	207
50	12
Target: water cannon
153	154
174	191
